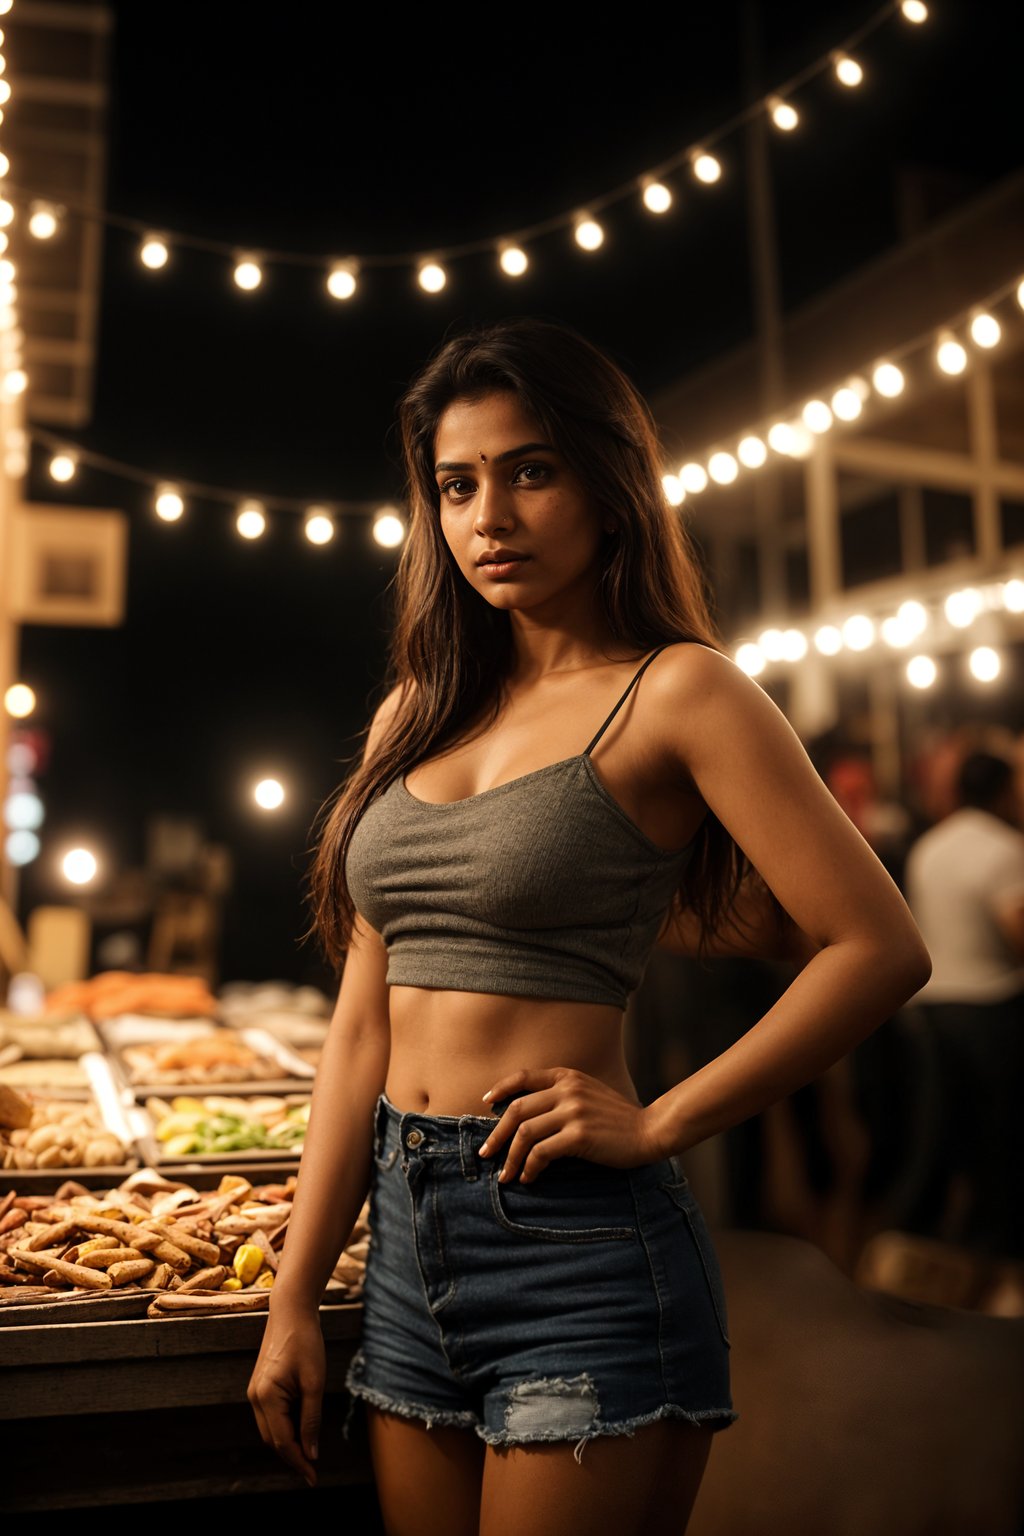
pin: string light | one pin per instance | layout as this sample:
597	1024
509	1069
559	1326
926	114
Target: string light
751	659
828	640
771	644
912	616
248	273
950	355
846	404
986	331
153	252
319	526
675	490
723	468
706	167
62	467
5	165
816	416
781	437
513	260
921	671
388	528
251	521
431	277
341	280
43	220
588	233
16	381
962	608
858	632
751	452
915	11
6	208
783	114
694	478
168	504
1012	596
19	701
985	663
847	70
656	197
888	380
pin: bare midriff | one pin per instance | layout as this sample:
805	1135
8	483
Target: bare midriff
449	1048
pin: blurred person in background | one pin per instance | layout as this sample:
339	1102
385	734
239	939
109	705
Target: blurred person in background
965	886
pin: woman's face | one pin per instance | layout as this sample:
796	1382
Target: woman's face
504	487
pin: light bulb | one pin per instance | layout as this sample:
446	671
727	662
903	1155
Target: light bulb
984	663
19	701
750	659
817	416
846	404
951	356
1013	596
153	252
251	521
169	504
912	616
388	528
986	331
319	526
962	608
589	234
706	167
694	478
794	645
5	165
79	866
848	71
783	114
888	380
751	452
341	280
248	274
722	468
921	671
6	210
657	197
781	437
915	11
269	794
675	490
42	220
62	467
513	261
16	381
858	632
431	277
828	640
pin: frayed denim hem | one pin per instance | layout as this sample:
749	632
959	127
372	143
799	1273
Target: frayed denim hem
713	1418
459	1418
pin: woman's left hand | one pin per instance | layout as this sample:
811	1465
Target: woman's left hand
565	1113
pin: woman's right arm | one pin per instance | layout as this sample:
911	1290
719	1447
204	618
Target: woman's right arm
334	1177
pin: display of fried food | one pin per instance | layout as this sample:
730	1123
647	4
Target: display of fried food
220	1058
115	992
198	1251
55	1134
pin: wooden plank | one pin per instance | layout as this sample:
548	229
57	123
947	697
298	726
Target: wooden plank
140	1386
40	1345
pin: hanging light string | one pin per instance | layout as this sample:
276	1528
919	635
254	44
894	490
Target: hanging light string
791	433
978	325
343	272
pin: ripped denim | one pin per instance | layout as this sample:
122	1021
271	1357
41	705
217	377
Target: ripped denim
586	1303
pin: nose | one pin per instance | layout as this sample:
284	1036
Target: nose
492	506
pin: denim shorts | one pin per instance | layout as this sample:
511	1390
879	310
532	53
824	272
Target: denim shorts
588	1302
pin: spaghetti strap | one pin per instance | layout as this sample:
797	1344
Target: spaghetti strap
636	678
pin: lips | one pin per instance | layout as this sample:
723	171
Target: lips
500	557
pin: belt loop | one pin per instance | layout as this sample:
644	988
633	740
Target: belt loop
380	1127
467	1151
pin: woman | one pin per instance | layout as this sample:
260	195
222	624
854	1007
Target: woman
541	1283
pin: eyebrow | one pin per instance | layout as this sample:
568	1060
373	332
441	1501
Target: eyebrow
501	458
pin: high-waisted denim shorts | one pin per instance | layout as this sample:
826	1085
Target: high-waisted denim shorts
588	1302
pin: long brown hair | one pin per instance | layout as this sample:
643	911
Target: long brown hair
451	653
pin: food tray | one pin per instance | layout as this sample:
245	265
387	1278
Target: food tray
139	1030
103	1091
155	1152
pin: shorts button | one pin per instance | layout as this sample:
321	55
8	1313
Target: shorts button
413	1138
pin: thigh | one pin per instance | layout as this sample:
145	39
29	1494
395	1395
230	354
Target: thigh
428	1480
643	1484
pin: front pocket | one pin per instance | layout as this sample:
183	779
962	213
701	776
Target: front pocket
681	1196
565	1210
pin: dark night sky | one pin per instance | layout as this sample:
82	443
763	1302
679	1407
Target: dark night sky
236	661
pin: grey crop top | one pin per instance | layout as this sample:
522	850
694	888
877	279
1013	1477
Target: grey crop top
540	887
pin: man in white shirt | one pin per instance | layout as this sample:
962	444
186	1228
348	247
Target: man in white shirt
965	886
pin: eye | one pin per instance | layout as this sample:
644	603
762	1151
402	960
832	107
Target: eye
456	489
533	473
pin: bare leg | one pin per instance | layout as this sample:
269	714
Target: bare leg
639	1485
428	1480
